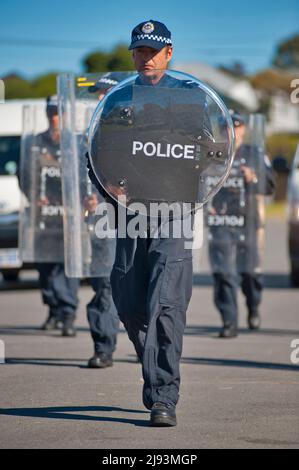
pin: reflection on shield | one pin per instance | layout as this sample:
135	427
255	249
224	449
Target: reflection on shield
236	215
161	143
41	223
88	251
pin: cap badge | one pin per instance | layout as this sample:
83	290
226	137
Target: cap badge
148	28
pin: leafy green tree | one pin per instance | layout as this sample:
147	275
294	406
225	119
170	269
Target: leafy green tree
17	87
287	53
118	59
268	82
271	80
95	62
44	85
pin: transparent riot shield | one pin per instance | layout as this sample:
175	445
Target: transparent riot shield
158	138
89	251
41	222
293	182
235	217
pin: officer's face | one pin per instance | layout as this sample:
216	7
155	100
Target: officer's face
147	59
54	121
54	125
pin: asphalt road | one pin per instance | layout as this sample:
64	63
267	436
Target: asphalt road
238	393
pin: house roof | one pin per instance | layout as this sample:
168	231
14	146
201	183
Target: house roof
232	90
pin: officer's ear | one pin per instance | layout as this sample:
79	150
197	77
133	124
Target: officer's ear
169	51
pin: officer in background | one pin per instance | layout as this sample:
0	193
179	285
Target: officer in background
58	291
236	224
152	277
101	312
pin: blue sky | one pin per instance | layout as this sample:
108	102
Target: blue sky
207	31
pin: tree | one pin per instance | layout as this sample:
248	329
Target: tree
237	69
17	87
44	85
287	53
95	62
118	59
270	80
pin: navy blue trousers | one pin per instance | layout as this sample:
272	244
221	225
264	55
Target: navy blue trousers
232	259
102	316
225	294
58	291
151	287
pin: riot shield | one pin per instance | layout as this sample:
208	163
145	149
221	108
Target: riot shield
236	215
41	223
293	181
89	252
158	138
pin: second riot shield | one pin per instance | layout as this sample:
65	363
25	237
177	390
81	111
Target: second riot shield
235	216
41	223
89	250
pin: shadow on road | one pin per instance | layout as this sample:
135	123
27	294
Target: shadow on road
27	284
271	280
191	330
76	413
213	331
37	331
203	361
59	362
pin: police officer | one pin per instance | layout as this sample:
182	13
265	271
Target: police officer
101	312
152	276
58	291
235	246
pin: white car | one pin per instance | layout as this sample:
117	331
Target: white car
11	124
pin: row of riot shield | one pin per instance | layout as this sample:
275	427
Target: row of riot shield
155	138
58	204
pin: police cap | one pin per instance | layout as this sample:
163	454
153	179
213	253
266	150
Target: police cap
107	81
150	34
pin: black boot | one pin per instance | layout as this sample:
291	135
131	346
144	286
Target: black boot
68	328
100	361
254	320
162	415
228	331
50	324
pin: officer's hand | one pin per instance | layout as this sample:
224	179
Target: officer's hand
212	211
43	202
116	191
90	203
249	174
